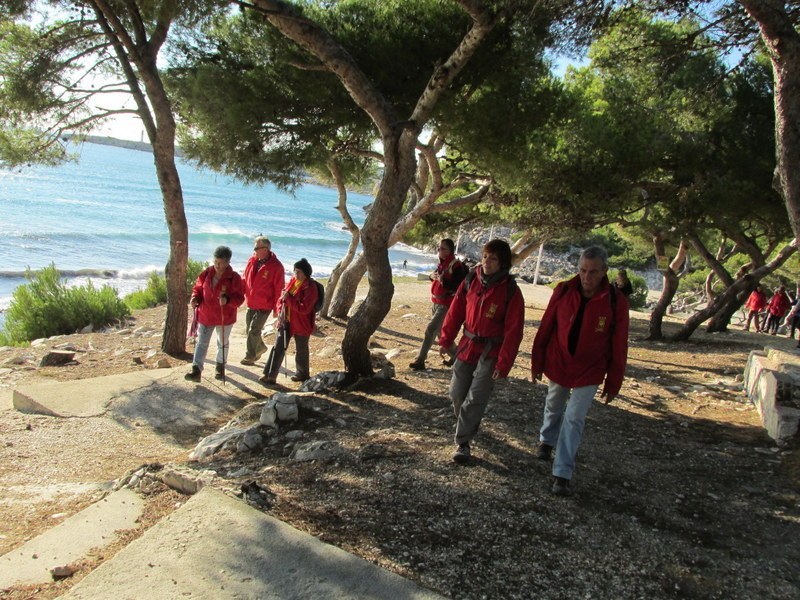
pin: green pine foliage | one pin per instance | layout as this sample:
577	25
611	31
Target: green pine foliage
46	306
155	292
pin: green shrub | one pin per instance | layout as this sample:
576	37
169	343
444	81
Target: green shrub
638	297
46	306
155	292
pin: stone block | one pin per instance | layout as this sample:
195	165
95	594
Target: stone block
775	394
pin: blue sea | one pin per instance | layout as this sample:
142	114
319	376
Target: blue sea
102	218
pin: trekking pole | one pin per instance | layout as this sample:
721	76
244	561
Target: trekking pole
224	345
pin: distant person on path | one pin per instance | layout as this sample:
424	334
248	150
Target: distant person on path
622	283
582	341
296	318
217	294
449	274
405	265
490	306
263	282
792	321
777	307
756	302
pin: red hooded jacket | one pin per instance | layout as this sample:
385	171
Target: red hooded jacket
602	349
209	312
779	304
451	273
757	301
263	285
298	308
487	312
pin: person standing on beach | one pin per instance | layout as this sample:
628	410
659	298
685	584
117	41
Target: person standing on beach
263	282
582	340
296	319
217	294
490	306
449	274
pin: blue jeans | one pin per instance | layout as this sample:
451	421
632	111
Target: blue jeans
204	337
562	427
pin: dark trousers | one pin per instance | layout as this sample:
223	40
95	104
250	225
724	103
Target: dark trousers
254	322
273	365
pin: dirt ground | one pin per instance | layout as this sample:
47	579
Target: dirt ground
679	491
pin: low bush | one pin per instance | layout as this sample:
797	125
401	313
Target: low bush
46	306
155	292
638	297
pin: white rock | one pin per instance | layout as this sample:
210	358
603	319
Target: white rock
319	450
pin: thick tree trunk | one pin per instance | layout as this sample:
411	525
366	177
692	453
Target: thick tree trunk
174	340
137	57
347	287
655	331
333	280
669	288
782	41
400	165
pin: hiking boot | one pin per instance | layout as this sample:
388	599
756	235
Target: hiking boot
267	380
247	361
300	378
462	454
561	487
544	451
194	375
417	365
220	371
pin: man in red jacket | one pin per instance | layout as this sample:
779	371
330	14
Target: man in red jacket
445	280
490	306
263	283
582	341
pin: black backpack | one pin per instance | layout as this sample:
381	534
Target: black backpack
320	295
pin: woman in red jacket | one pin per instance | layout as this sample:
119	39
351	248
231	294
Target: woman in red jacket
777	307
756	302
217	294
582	341
296	320
490	306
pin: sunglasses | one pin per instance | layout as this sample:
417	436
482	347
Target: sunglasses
260	248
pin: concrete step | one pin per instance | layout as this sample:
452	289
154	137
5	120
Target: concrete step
216	546
93	527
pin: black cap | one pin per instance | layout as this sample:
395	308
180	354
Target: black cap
303	265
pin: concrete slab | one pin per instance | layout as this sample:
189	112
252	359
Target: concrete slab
6	399
218	547
83	397
93	527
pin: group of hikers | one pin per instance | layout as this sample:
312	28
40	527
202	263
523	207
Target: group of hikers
581	343
219	292
780	306
478	317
